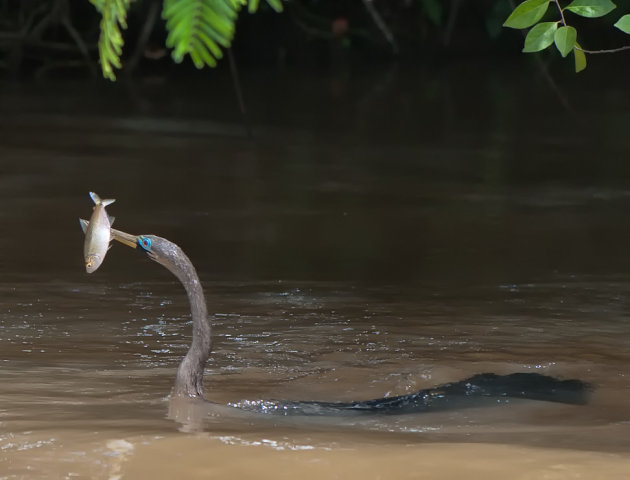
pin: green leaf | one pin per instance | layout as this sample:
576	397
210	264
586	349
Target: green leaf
197	27
623	24
565	38
204	54
226	8
211	45
110	42
527	14
591	8
580	58
252	5
275	4
540	37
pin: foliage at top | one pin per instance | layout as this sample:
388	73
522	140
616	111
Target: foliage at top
542	35
110	43
198	28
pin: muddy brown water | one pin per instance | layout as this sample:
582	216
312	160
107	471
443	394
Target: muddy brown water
369	241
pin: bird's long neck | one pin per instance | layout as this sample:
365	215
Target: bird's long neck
189	379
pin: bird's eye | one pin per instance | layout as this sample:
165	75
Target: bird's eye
145	243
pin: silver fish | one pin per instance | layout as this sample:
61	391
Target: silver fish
97	234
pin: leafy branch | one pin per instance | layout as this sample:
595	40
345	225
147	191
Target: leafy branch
110	43
197	28
542	35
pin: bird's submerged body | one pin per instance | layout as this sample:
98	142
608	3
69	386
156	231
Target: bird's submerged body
97	234
478	390
469	392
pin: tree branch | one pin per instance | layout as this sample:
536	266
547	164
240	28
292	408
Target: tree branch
612	50
382	26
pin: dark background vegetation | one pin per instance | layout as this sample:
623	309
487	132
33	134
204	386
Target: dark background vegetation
59	37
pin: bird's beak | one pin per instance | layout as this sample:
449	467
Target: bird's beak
122	237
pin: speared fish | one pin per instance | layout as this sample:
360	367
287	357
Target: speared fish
97	234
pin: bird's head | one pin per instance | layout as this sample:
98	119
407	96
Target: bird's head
165	253
147	244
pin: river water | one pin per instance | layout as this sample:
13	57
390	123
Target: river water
381	233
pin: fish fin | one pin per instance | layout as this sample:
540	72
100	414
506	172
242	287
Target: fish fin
111	220
95	198
84	224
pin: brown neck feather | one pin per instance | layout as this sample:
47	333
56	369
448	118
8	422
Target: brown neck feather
189	379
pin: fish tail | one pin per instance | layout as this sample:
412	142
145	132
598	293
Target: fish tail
97	200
